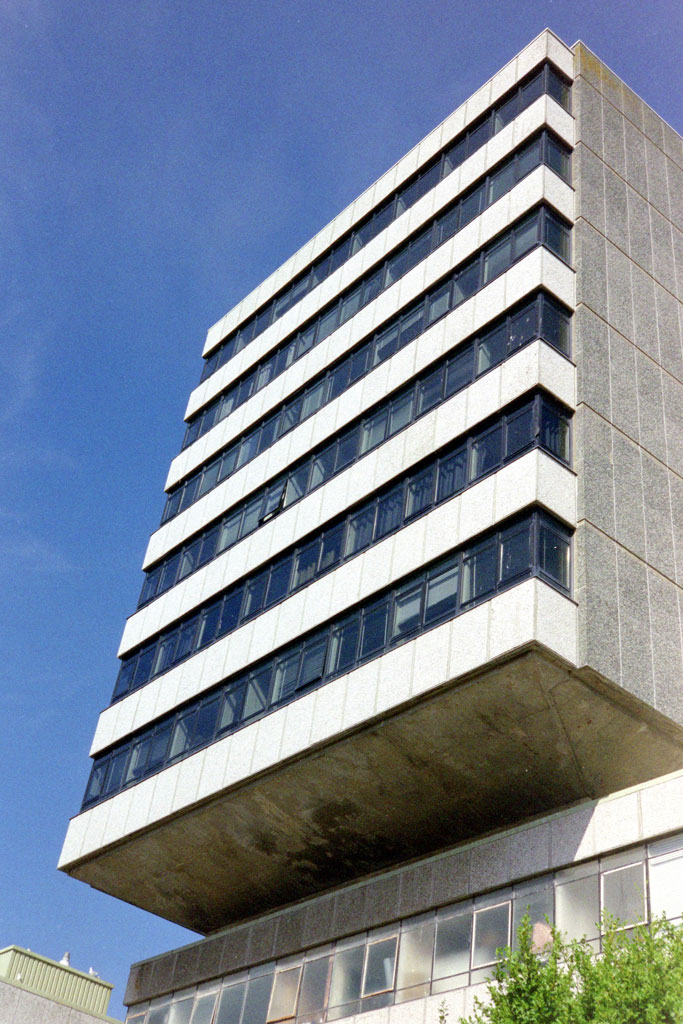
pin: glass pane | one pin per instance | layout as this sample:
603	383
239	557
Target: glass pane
208	548
188	493
453	937
429	391
278	584
283	996
144	664
455	154
554	555
555	431
515	553
528	158
471	205
373	430
164	654
351	304
268	432
158	751
189	559
359	362
359	530
539	906
258	997
117	765
577	907
305	340
169	573
438	303
374	628
448	223
491	932
389	512
328	323
452	474
138	759
286	672
186	639
252	515
338	380
208	626
255	594
557	157
230	1004
231	611
666	887
180	1012
401	412
411	325
623	893
248	448
520	431
182	735
526	235
407	605
158	1015
205	726
555	327
203	1009
305	564
297	483
479	573
460	370
479	136
379	967
256	698
312	662
314	986
491	349
373	286
556	236
385	345
466	283
532	90
231	708
330	549
347	972
323	467
415	956
524	327
497	259
229	531
347	449
420	491
506	112
442	588
501	182
291	415
486	453
343	646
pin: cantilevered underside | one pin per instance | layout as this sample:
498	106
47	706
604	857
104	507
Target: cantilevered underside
520	738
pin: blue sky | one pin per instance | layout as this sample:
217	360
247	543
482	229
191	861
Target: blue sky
158	160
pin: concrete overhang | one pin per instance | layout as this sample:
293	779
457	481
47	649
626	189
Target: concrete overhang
521	737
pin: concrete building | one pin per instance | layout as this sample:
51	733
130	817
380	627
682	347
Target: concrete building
37	990
407	659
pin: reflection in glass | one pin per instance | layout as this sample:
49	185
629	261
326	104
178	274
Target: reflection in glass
623	893
491	932
452	954
379	967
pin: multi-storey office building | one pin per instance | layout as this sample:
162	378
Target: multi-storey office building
407	657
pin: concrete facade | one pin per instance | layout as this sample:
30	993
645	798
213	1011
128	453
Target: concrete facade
518	743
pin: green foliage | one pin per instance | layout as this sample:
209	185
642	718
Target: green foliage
636	979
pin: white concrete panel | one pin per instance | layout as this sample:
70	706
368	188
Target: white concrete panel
556	622
73	841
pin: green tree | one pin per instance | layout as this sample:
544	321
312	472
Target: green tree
636	979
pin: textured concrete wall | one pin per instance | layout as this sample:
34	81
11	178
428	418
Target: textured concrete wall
20	1007
629	354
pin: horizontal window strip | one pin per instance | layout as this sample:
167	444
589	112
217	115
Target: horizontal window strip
437	951
537	422
534	544
543	149
541	227
545	81
539	317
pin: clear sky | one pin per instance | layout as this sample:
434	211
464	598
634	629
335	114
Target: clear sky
158	159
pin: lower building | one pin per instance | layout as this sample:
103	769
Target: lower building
36	990
408	656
